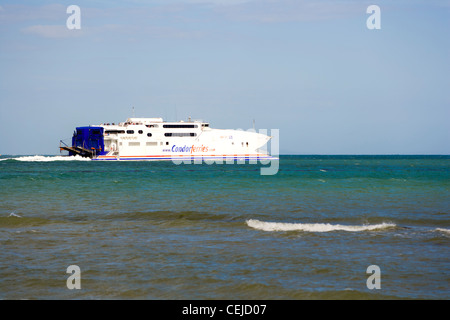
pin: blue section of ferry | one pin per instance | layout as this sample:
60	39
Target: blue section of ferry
90	138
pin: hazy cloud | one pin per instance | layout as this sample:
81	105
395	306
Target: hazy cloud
52	31
218	2
19	13
267	11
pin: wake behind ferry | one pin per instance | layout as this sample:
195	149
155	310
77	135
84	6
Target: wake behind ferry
155	139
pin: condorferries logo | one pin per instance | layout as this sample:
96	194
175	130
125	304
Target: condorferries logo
191	149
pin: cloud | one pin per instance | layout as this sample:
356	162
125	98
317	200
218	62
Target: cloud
178	20
188	2
218	2
132	33
270	11
52	31
10	14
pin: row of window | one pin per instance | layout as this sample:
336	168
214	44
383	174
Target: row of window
154	143
91	131
180	134
180	126
168	134
168	126
148	144
114	131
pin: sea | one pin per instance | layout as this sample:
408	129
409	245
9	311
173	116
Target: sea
322	227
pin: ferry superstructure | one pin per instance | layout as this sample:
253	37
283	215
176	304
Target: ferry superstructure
155	139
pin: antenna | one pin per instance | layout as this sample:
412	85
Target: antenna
134	116
254	124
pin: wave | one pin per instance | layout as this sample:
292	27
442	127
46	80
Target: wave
38	158
314	227
12	214
18	221
442	230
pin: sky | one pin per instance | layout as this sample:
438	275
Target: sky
312	69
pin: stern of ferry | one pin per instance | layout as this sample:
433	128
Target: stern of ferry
86	142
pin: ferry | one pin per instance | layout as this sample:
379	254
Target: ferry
156	139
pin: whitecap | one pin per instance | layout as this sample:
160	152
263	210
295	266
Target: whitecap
314	227
12	214
38	158
442	230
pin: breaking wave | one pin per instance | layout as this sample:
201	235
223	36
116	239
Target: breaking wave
447	231
314	227
12	214
47	158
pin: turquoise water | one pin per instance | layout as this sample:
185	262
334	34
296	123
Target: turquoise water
156	230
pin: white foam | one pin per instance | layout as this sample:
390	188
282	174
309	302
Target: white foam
442	230
313	227
12	214
38	158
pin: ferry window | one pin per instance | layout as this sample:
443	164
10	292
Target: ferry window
180	126
205	124
152	143
134	144
180	134
96	131
149	134
130	131
151	125
247	144
114	131
141	132
167	143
